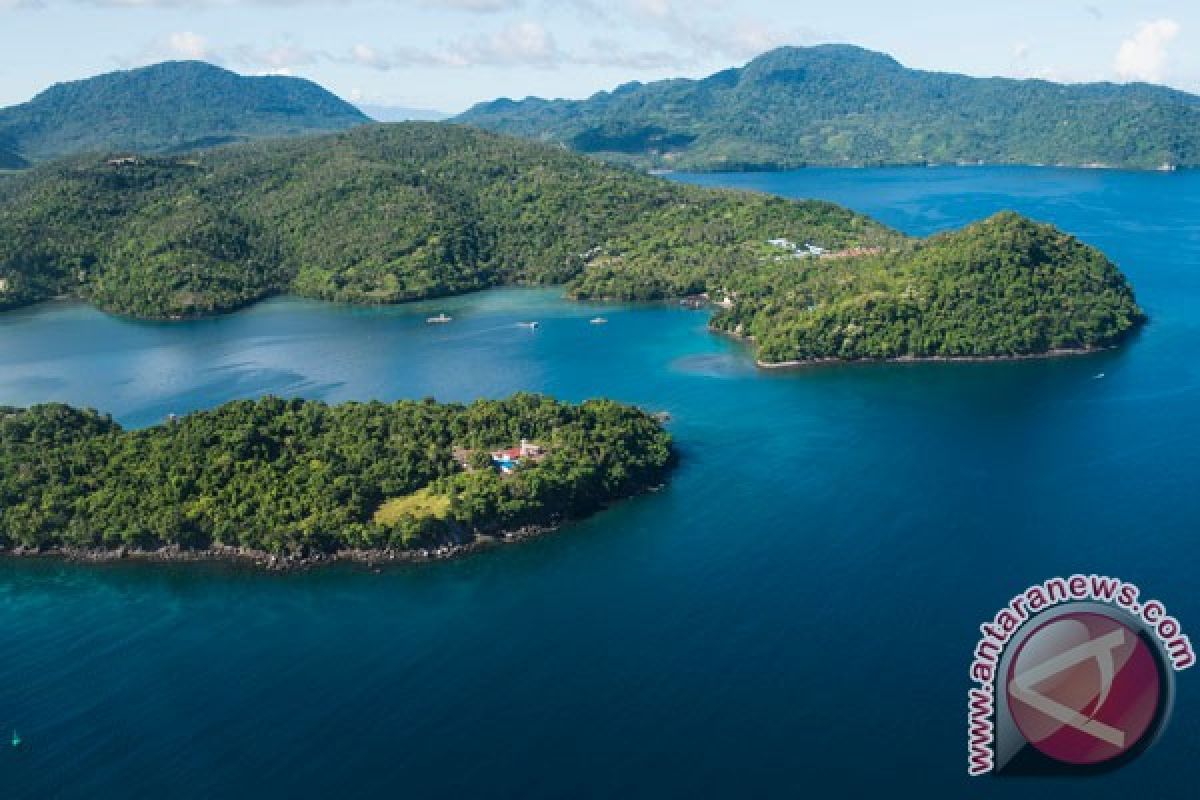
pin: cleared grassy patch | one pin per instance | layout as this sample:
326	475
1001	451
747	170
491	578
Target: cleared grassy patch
418	505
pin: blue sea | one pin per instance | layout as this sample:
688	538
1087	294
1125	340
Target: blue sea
793	616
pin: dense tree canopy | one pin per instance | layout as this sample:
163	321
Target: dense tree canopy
840	105
381	214
302	477
1002	287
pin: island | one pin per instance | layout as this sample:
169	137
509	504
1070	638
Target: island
291	482
387	214
842	106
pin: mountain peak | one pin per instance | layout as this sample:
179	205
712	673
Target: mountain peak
834	51
826	59
169	106
843	105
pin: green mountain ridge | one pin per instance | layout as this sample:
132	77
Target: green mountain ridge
169	107
841	105
389	213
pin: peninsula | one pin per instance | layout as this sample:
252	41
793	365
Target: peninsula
390	213
295	482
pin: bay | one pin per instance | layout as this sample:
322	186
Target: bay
796	612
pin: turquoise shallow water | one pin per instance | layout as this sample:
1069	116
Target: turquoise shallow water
796	612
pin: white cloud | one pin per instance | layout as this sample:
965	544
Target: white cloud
368	56
519	43
280	59
478	6
187	45
1143	56
748	38
608	52
522	44
659	9
688	36
703	31
470	6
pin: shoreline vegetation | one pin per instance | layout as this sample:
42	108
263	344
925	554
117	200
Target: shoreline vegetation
415	211
286	484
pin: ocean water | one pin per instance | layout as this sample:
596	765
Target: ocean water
793	616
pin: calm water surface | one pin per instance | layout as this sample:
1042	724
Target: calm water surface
794	615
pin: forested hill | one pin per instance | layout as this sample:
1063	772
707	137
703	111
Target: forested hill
384	214
301	479
842	105
173	106
380	214
1005	286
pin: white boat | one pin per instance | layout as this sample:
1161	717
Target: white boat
597	320
440	319
533	326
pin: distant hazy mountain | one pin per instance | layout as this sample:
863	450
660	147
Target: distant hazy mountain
402	113
842	105
177	105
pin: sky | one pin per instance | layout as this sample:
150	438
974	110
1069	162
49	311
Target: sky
449	54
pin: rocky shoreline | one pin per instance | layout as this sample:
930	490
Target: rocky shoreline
274	562
818	362
1059	352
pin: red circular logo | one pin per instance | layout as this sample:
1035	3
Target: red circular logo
1084	688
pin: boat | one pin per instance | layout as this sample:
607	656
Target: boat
16	740
1098	376
533	326
597	320
440	319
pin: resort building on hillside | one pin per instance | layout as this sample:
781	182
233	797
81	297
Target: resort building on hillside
509	458
797	251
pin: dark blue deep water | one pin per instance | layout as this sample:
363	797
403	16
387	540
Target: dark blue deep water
793	616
